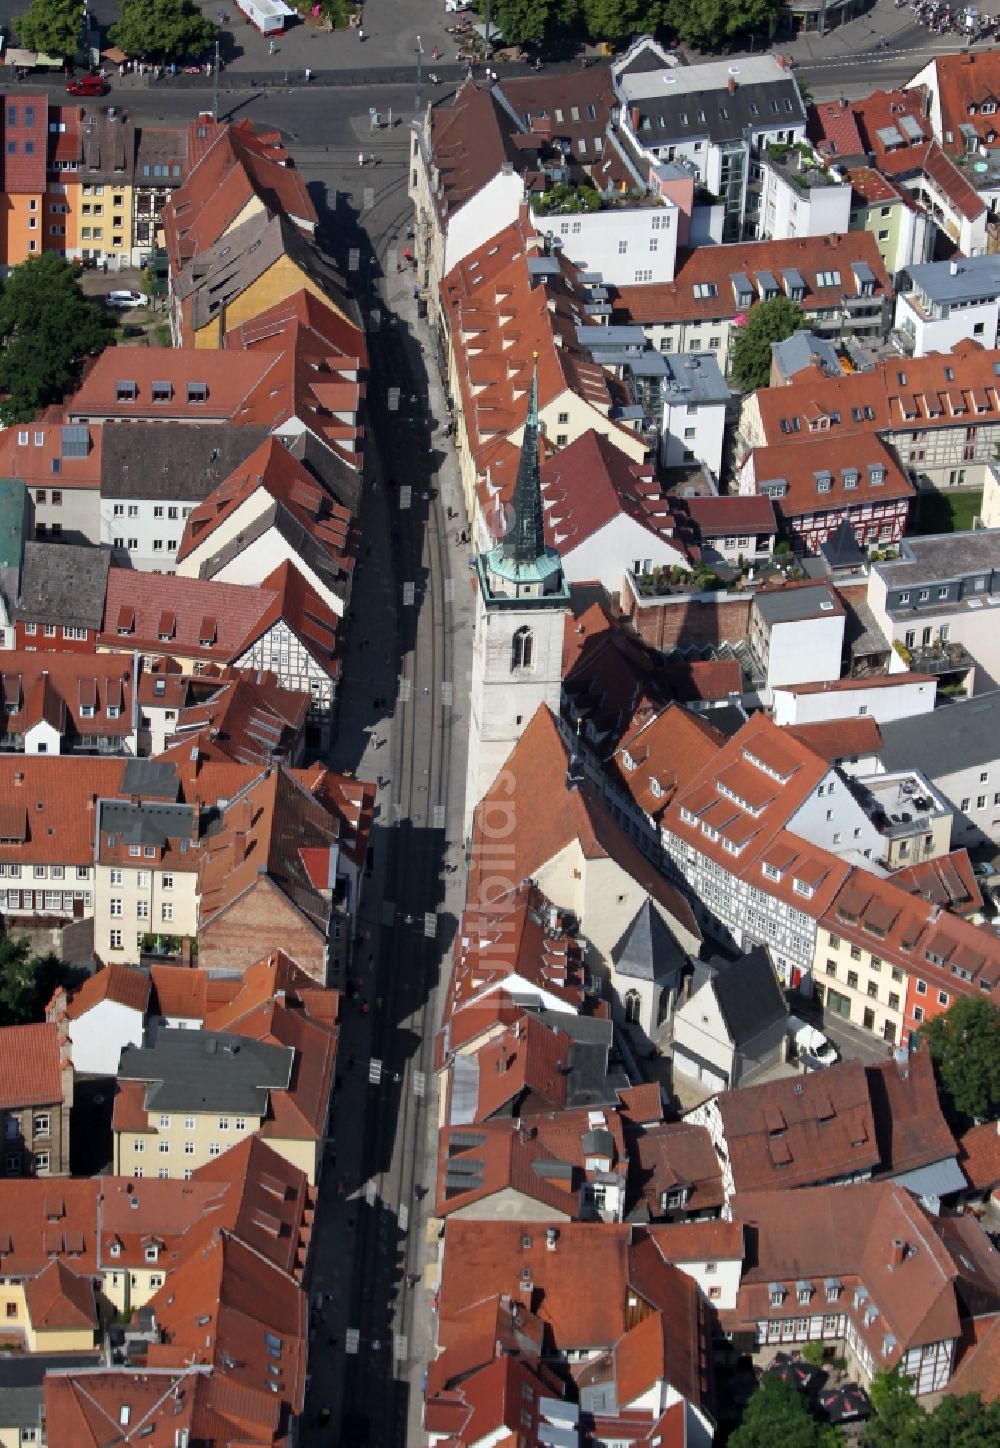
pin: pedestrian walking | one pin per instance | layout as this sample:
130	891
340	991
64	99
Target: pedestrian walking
361	158
272	47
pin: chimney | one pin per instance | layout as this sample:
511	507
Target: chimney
897	1253
551	1238
731	85
953	268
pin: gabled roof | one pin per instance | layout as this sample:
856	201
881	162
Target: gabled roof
470	141
838	739
799	1130
274	470
266	833
59	1300
30	1067
674	1154
748	995
538	768
874	1242
238	165
909	1124
249	718
819	474
25	141
63	583
816	259
120	984
948	881
964	82
53	453
663	754
82	697
981	1156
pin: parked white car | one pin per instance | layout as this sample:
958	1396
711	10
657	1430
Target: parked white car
127	299
813	1049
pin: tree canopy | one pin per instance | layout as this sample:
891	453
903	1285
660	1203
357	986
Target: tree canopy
167	29
51	26
900	1421
47	327
777	1414
770	321
26	981
964	1042
705	23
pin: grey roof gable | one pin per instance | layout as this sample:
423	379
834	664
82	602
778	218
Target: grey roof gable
749	996
161	460
648	950
954	737
718	115
63	583
208	1071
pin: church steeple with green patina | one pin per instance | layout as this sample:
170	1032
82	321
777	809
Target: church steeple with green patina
521	565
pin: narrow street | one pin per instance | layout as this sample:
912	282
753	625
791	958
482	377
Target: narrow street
402	721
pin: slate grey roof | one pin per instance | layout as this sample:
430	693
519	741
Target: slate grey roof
748	995
150	777
689	102
786	605
973	277
941	557
647	950
208	1071
328	468
801	350
146	823
63	583
953	737
841	549
693	377
162	460
22	1382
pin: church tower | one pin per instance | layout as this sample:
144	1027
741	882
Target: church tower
521	606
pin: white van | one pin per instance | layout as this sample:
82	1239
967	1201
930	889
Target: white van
813	1049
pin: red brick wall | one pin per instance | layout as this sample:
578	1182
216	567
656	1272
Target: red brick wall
260	921
694	619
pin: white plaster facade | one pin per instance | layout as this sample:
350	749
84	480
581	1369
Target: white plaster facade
788	209
799	651
883	700
693	432
98	1036
145	533
626	244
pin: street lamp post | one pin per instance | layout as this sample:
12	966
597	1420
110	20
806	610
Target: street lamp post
420	57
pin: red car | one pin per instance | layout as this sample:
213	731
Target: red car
88	85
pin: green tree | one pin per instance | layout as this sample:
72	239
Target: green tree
709	23
901	1422
47	327
51	26
964	1042
26	981
770	321
618	20
166	29
531	22
777	1414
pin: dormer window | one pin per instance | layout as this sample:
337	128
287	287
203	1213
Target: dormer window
801	888
833	1287
803	1293
628	761
771	872
197	392
776	1294
152	1253
115	1249
162	391
208	633
126	391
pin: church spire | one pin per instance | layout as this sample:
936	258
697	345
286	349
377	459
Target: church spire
524	541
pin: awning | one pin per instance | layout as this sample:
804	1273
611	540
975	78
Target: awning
116	56
937	1180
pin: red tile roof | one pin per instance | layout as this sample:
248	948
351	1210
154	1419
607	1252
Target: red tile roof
30	1072
664	754
948	882
537	770
677	1154
253	387
878	401
74	693
47	805
721	517
273	469
239	164
118	983
978	1369
833	130
80	1409
710	266
981	1156
837	739
825	473
909	1124
25	143
849	1233
59	1300
43	464
800	1130
870	681
249	718
964	82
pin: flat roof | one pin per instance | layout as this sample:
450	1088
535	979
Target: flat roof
940	556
